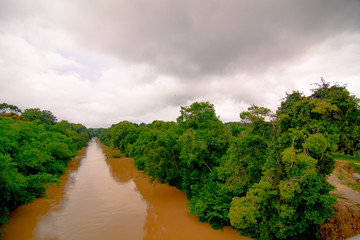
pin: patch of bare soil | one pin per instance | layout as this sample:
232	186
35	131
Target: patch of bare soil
346	222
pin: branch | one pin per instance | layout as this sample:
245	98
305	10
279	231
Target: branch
207	166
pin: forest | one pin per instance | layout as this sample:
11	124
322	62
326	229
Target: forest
265	175
34	151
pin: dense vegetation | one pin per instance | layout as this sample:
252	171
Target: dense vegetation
266	176
34	151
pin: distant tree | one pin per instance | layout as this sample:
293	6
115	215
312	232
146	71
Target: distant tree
94	132
255	114
14	116
259	121
122	134
44	116
197	115
105	136
8	108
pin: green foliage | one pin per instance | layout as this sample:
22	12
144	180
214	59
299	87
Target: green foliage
105	137
197	115
348	158
35	114
353	185
255	114
154	152
122	135
211	203
94	132
291	200
8	108
347	116
33	155
236	128
201	146
242	166
76	132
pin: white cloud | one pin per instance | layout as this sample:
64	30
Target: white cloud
335	59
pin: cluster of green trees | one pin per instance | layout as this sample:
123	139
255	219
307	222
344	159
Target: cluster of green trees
34	151
266	176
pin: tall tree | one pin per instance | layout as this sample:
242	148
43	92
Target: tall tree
347	118
292	197
8	108
44	116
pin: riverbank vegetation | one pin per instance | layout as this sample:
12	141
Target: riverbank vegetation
266	176
34	151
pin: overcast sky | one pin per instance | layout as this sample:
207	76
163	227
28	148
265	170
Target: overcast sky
100	62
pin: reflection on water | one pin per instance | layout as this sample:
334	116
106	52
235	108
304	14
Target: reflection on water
167	216
109	199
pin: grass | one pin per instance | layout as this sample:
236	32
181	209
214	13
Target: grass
350	166
338	196
355	166
353	161
341	177
348	158
353	186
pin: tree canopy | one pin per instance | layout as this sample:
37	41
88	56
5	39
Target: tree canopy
44	116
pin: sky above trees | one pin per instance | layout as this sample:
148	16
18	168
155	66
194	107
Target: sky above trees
101	62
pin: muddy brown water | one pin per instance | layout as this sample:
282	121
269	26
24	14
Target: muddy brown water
107	199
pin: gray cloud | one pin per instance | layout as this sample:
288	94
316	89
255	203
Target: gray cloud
191	38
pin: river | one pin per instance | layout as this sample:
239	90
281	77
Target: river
102	198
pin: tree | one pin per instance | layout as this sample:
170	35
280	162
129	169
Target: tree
255	114
155	153
291	200
44	116
8	108
76	132
347	116
244	163
123	134
197	115
204	141
259	121
236	128
94	132
292	197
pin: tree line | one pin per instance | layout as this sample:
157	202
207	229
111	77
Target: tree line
34	151
265	175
